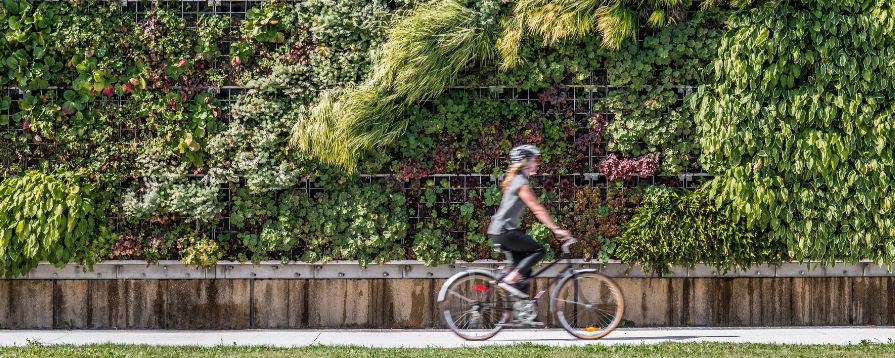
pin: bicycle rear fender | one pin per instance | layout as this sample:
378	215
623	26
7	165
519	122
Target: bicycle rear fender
555	291
443	292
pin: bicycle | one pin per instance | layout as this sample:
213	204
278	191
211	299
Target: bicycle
585	303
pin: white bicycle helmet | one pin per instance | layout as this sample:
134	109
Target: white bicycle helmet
523	152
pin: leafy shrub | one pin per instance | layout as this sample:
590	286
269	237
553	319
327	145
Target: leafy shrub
649	122
801	139
92	40
211	29
678	227
163	240
677	54
51	218
353	222
252	145
465	133
128	246
251	209
542	234
346	33
271	23
367	223
615	168
199	250
452	229
597	222
434	247
27	63
264	224
191	200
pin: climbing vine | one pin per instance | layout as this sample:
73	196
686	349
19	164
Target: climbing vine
799	126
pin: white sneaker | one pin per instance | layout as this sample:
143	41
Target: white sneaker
511	288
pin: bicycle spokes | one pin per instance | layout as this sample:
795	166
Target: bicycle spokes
586	304
474	307
589	305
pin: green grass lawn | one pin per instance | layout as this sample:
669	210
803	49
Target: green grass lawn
519	350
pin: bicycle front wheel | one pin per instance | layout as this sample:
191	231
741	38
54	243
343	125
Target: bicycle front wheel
588	305
474	307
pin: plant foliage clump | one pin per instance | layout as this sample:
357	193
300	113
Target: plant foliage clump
49	218
799	126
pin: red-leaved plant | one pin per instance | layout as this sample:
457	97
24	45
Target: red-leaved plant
614	168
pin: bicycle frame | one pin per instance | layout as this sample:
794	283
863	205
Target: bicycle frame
521	312
563	273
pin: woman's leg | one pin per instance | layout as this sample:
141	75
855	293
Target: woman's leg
514	257
515	275
526	253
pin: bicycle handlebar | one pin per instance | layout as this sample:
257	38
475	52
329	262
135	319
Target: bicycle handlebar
569	242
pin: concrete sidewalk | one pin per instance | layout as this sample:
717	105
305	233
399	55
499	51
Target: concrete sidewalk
446	339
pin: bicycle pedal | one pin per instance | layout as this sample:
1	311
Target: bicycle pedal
538	296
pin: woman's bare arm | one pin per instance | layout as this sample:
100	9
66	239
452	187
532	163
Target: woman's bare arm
529	198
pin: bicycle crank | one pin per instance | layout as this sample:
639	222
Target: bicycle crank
525	312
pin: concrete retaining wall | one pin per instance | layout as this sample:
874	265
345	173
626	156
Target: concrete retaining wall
409	303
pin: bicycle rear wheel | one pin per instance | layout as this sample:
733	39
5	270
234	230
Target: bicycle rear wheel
588	305
474	307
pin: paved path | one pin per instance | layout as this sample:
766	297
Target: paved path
443	338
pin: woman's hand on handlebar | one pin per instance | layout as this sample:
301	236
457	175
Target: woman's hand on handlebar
562	234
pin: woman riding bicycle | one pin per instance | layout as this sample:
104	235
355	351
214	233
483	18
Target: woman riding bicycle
504	228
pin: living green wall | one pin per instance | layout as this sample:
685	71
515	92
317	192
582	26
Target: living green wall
177	125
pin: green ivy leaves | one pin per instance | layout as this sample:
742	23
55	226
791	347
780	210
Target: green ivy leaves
24	45
647	121
677	227
51	218
452	231
799	127
367	223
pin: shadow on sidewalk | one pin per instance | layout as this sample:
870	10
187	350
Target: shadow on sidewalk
672	338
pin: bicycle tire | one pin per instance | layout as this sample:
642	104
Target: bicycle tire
606	303
479	290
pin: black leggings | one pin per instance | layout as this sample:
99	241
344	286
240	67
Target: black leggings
525	250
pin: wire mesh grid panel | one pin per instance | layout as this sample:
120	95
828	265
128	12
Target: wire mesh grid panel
228	96
190	10
589	105
28	147
193	12
224	225
25	114
439	191
11	136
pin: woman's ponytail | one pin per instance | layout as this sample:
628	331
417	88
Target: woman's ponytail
511	173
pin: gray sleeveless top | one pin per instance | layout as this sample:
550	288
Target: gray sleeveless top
511	208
